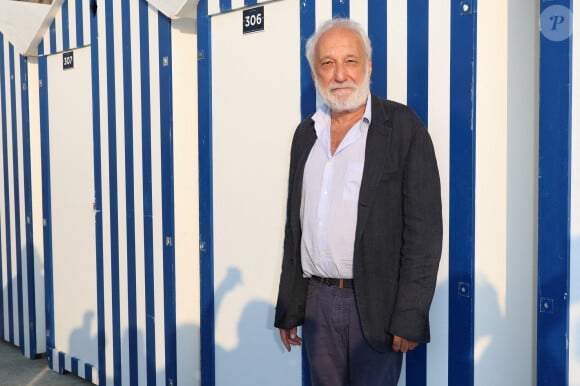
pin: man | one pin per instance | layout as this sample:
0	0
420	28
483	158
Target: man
363	231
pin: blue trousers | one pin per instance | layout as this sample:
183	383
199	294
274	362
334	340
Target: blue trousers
337	351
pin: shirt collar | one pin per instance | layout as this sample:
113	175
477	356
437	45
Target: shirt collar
322	117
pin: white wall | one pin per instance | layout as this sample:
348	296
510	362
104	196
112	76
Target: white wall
506	193
186	197
522	186
491	194
256	107
439	92
36	180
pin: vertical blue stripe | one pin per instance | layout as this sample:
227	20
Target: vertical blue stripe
554	199
417	98
74	366
3	125
79	23
129	193
207	325
60	362
52	33
16	190
225	5
307	90
462	193
307	105
8	221
113	192
377	30
46	205
147	193
166	124
41	48
30	268
418	56
340	8
89	372
100	273
65	25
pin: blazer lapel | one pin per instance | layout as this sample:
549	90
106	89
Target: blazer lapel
306	143
378	140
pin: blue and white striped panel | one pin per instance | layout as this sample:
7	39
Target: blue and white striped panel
62	362
135	268
146	320
411	64
574	371
69	29
18	305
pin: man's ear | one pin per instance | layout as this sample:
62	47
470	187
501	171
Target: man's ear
370	67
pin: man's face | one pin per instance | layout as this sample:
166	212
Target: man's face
342	70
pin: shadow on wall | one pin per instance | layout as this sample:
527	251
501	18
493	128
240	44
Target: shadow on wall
496	346
491	335
83	338
258	359
494	343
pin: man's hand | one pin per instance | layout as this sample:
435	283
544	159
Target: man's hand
403	345
290	338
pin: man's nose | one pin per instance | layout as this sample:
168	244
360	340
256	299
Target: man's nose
339	73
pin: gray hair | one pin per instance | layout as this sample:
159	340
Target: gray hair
333	23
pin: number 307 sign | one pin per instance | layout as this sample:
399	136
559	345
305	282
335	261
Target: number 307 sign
253	20
68	60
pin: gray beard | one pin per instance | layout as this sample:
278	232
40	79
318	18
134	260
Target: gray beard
351	103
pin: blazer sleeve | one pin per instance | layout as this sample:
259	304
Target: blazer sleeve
291	303
421	239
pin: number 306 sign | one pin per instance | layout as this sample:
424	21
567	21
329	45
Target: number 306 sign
253	20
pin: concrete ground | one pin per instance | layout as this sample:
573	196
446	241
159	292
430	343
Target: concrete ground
16	370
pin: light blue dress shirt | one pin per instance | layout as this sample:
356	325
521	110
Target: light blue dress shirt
330	192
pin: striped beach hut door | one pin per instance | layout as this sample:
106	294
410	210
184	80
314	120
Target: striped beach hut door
69	205
249	107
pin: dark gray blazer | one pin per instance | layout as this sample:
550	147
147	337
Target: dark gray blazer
398	231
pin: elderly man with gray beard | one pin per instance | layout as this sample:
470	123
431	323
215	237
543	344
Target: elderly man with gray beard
363	227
